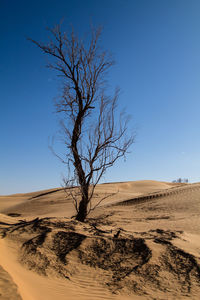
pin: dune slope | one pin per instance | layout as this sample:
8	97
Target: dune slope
143	242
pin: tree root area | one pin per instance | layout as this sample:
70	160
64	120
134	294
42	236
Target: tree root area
127	263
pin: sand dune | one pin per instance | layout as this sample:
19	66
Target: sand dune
142	242
55	202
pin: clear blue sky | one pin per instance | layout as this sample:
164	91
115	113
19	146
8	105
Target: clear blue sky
156	45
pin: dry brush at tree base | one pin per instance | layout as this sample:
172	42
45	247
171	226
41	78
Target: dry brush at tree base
126	263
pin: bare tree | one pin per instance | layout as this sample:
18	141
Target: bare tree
93	135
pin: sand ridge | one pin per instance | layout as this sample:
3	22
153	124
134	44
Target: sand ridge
56	202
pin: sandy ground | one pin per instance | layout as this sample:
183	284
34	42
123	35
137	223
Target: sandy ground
142	242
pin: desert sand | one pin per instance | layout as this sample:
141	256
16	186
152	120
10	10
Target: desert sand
141	242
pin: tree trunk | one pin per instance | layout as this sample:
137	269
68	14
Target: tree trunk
82	210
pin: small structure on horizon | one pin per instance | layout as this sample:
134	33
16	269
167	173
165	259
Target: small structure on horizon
181	180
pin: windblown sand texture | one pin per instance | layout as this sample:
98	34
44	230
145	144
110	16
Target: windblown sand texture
142	242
